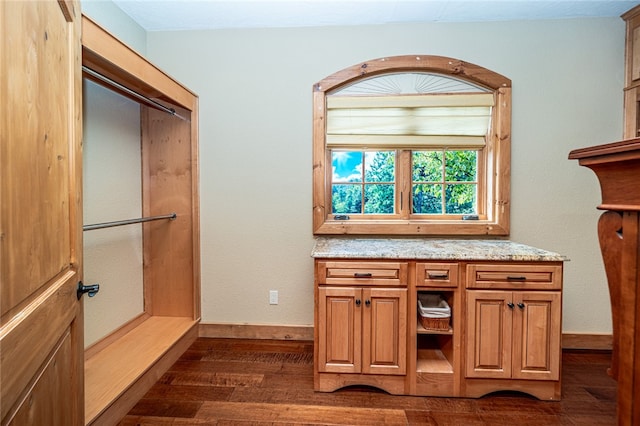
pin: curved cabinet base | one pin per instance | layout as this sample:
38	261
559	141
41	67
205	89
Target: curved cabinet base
543	390
329	382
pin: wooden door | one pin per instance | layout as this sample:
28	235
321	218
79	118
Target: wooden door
536	335
41	339
384	331
489	334
339	330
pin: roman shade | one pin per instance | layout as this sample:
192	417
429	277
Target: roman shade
409	121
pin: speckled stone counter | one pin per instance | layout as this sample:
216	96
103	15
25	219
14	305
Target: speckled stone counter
426	248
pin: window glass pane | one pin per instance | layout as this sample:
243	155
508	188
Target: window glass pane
380	166
347	166
427	199
363	182
379	199
346	199
460	199
461	166
427	166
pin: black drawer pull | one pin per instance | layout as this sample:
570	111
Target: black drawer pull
362	275
510	278
434	276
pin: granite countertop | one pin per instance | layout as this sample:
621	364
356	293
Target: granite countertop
427	248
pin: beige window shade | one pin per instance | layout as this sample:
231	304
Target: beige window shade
443	120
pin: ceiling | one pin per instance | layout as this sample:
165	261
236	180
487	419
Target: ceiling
169	15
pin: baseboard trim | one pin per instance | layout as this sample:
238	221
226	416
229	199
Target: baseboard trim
587	341
305	332
257	331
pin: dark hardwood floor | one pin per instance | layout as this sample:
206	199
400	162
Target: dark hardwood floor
267	382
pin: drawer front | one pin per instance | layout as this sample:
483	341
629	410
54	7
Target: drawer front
437	274
362	273
515	276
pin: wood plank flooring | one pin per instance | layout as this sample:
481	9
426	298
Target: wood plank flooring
267	382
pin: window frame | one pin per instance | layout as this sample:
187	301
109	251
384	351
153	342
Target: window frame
495	161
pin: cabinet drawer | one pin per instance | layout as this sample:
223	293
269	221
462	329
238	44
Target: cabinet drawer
515	276
362	273
437	274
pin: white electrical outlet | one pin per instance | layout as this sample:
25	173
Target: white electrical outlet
273	297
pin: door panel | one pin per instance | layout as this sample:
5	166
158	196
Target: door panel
339	330
384	331
537	335
489	326
41	348
49	394
36	162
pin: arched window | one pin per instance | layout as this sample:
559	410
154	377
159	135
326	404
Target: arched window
412	145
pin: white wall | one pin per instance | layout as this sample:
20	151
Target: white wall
255	146
111	189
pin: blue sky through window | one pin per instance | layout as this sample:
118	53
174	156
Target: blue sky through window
347	166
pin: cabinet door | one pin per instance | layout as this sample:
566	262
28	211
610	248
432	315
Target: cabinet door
339	330
489	332
41	344
536	338
384	333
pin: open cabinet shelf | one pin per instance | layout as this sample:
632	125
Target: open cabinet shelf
433	361
129	359
421	330
436	365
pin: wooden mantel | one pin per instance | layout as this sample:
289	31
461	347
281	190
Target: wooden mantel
617	166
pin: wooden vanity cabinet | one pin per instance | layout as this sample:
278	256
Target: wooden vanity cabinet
361	330
361	318
511	335
503	332
513	326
